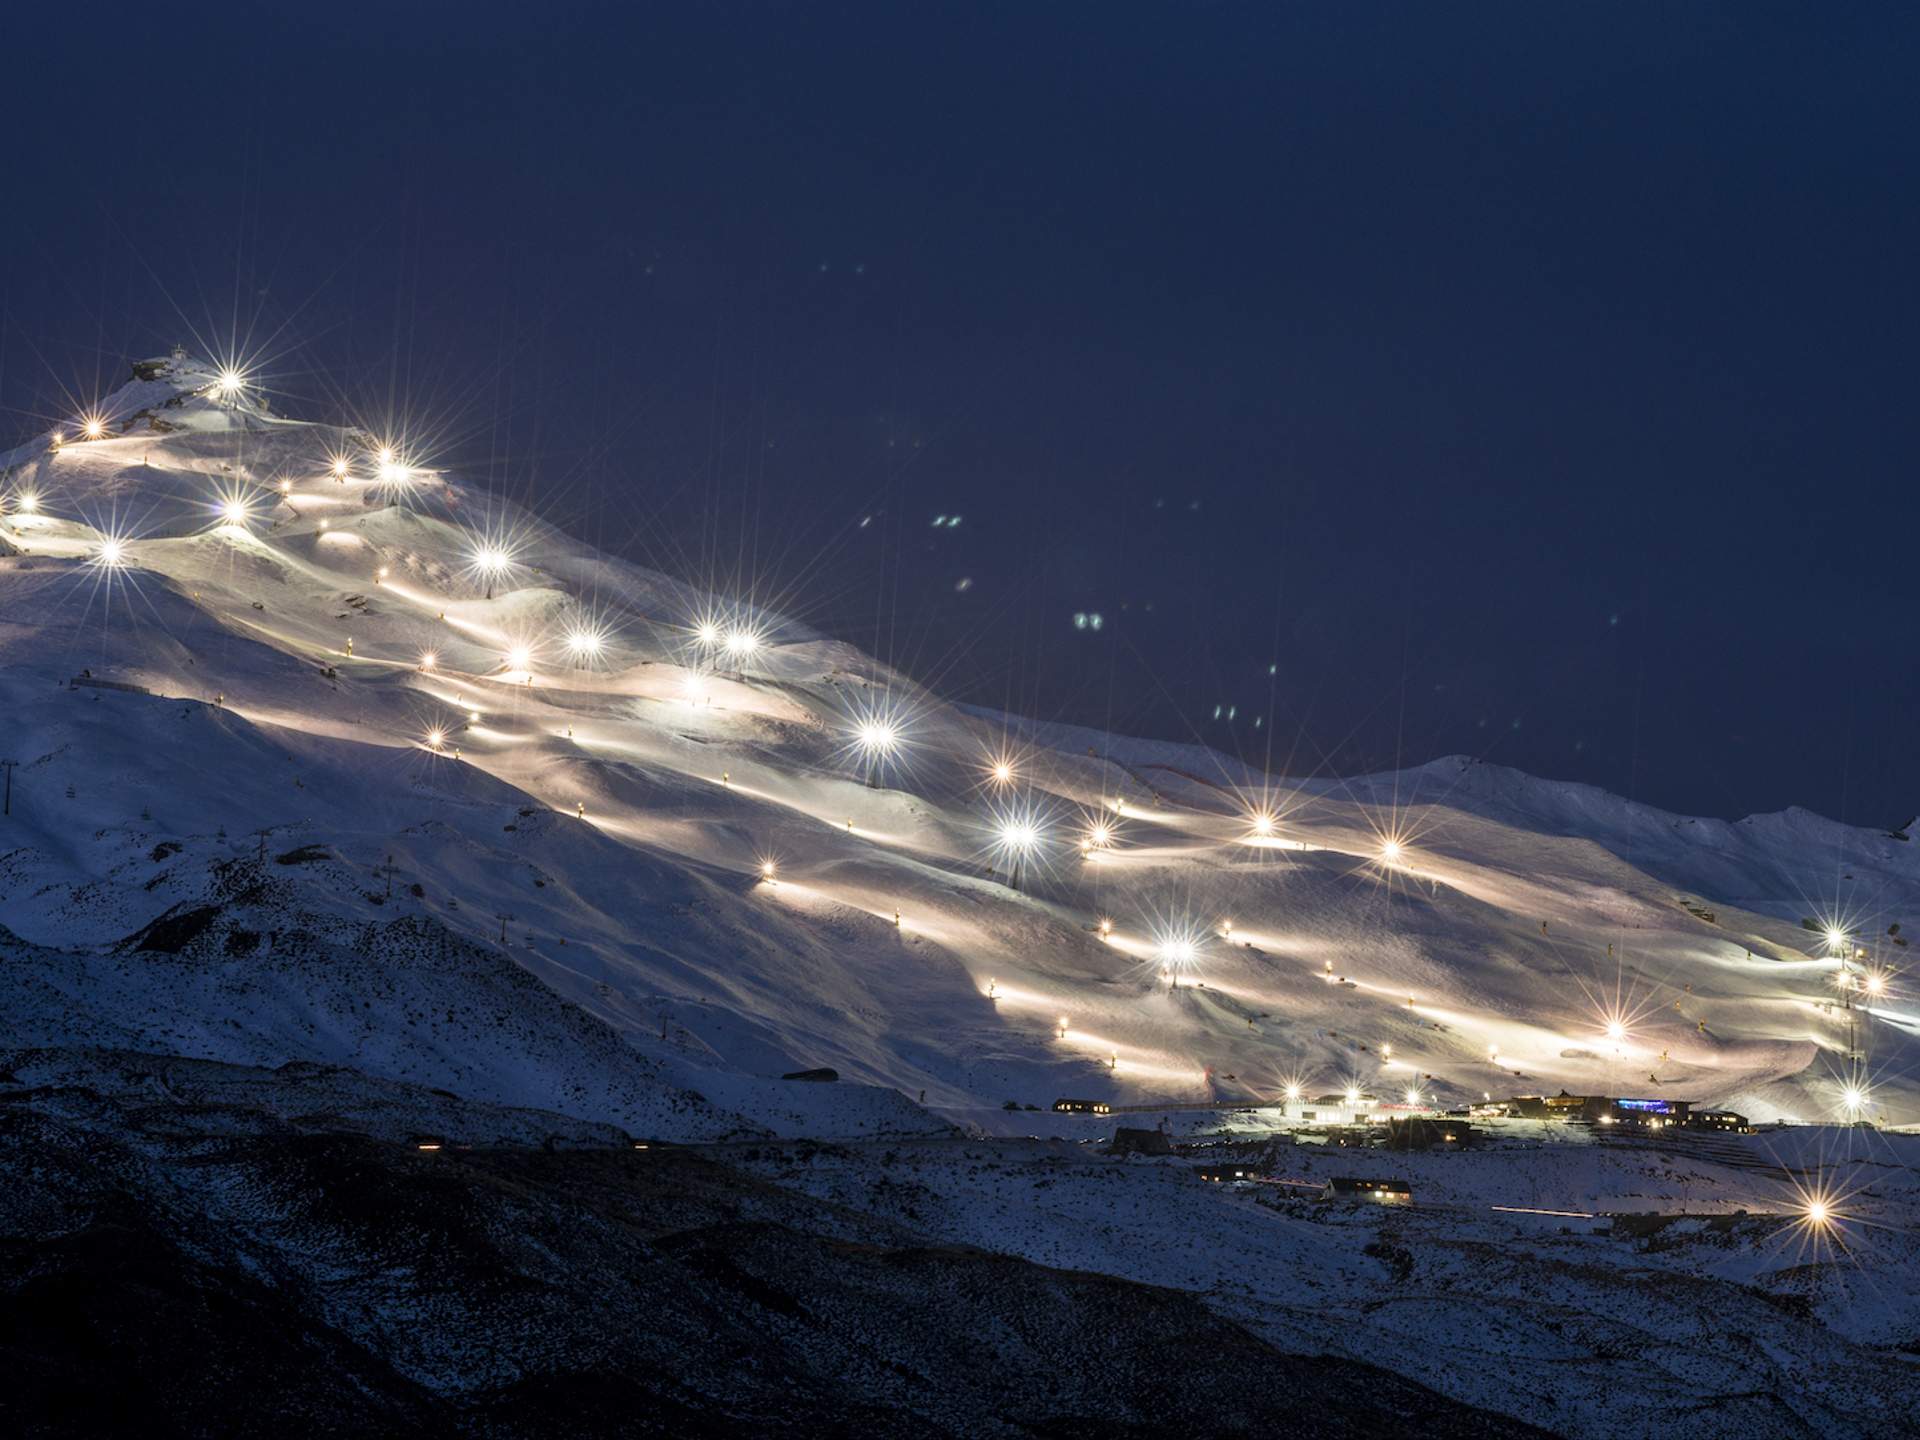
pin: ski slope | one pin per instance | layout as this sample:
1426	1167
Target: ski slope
495	732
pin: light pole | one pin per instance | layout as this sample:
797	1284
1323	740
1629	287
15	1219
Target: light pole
1018	837
584	644
741	646
877	739
1843	948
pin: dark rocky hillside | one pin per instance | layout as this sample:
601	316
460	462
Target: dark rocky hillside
169	1265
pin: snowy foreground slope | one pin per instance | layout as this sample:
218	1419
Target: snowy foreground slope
323	759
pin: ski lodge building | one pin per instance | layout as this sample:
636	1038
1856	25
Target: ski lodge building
1368	1192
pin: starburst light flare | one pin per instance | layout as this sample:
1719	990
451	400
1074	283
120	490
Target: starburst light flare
490	557
1178	949
876	737
586	640
741	644
1017	836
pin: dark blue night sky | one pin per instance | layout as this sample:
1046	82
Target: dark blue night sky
1529	381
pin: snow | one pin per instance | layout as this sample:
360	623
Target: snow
559	905
1548	1317
1496	925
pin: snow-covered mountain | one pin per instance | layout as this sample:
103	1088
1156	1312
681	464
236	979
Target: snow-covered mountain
350	808
409	780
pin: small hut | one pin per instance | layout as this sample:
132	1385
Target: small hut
1368	1192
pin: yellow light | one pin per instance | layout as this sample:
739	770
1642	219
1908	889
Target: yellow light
473	717
386	455
1818	1213
1353	1096
94	427
1099	835
1002	772
234	511
1263	822
519	658
1106	927
428	659
1390	852
766	869
286	487
707	633
27	503
583	643
231	381
1616	1032
436	737
1293	1092
339	469
1413	1097
742	642
111	553
1836	938
1876	984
